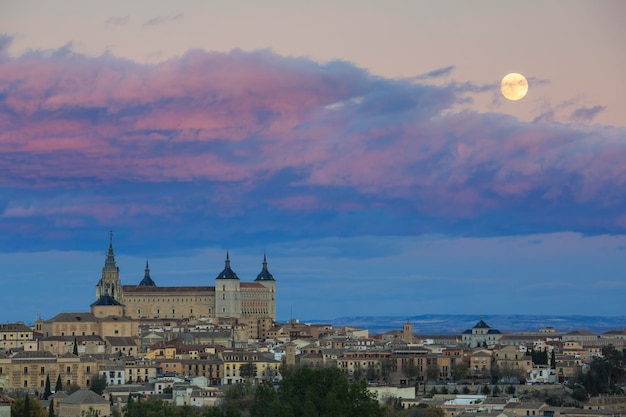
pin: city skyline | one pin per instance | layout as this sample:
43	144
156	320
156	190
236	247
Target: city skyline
365	148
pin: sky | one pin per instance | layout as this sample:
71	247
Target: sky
363	146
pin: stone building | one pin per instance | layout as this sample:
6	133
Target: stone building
28	371
481	335
249	302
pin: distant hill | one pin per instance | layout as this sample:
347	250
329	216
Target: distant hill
457	323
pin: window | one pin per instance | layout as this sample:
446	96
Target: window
42	370
25	370
117	331
41	383
25	384
88	369
68	370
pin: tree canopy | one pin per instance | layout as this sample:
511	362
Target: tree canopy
322	392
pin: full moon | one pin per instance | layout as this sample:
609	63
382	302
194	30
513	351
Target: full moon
514	86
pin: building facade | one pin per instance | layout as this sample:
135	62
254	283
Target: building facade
248	302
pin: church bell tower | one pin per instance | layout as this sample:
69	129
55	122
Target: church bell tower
109	283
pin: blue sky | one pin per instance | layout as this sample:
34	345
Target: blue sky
401	185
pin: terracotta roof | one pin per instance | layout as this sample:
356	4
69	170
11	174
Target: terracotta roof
251	285
133	289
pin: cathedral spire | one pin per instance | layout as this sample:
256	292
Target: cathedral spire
227	273
265	274
147	280
110	260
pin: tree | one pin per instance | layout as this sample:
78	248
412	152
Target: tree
51	409
27	407
432	371
322	392
495	391
386	366
553	360
604	372
460	371
510	390
59	386
47	392
75	350
98	384
72	389
410	370
428	412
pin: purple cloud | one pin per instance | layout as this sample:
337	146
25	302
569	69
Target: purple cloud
289	145
586	114
159	20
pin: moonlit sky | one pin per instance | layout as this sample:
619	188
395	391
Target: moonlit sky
363	145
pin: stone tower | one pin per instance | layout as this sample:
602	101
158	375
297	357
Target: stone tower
227	292
267	280
109	284
407	332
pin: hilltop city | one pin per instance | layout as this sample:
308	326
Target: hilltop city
191	346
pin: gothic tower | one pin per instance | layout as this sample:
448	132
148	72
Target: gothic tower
109	283
227	292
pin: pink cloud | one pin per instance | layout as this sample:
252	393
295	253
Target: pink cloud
246	117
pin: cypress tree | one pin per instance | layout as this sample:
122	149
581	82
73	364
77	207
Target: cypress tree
47	392
553	360
59	386
27	406
75	351
51	409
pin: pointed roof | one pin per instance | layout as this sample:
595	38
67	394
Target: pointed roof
482	324
106	300
109	263
227	273
147	281
265	273
84	396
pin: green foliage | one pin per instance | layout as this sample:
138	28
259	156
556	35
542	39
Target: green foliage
510	390
75	350
486	390
247	370
51	409
89	413
47	391
466	390
27	407
540	357
605	372
427	412
98	384
72	389
495	391
310	392
59	386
